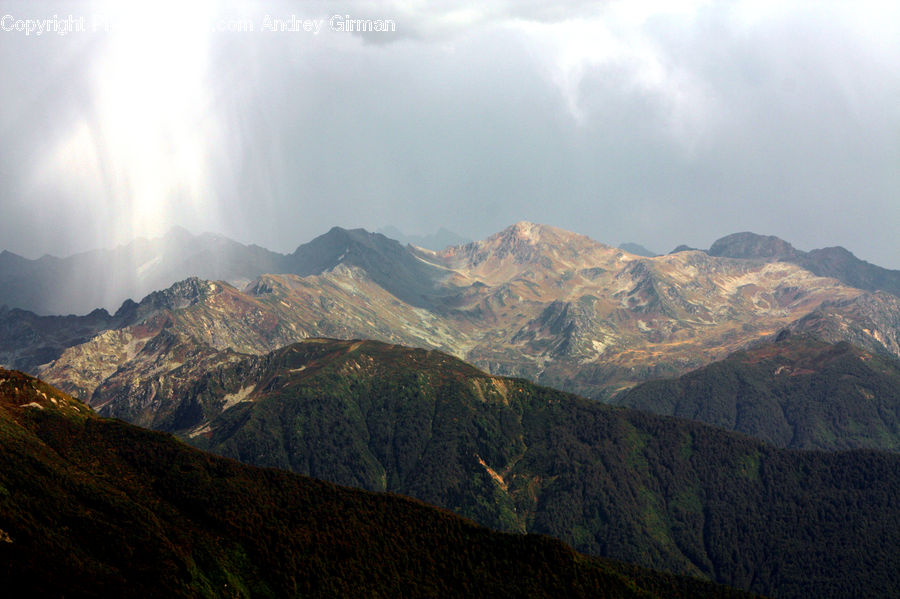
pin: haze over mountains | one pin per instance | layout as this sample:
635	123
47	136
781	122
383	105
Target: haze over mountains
555	406
637	249
51	285
105	278
434	241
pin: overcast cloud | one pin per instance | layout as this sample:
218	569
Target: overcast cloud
655	122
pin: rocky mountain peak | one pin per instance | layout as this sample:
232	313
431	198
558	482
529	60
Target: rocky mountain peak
395	267
751	245
181	294
835	257
355	246
536	234
520	241
524	230
637	249
527	244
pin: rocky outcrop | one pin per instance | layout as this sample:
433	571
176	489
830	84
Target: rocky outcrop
751	245
836	262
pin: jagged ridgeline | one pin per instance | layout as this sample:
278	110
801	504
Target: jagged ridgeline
836	262
657	491
531	301
91	507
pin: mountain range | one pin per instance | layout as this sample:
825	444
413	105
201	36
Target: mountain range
835	262
798	349
531	301
57	286
91	507
104	279
661	492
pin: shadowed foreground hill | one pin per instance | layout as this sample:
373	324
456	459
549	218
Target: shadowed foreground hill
797	392
96	507
665	493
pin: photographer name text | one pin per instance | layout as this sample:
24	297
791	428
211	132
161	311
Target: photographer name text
100	23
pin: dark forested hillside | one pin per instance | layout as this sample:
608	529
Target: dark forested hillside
796	392
626	484
95	507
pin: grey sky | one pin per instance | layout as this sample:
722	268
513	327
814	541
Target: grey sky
660	123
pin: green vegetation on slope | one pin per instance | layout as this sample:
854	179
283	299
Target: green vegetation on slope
798	393
633	486
96	507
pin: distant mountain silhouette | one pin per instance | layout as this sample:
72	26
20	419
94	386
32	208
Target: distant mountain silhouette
83	282
434	241
105	278
637	249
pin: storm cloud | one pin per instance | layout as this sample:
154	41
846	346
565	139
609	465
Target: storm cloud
659	123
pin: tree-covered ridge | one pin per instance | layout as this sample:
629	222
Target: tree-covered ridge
91	507
797	392
657	491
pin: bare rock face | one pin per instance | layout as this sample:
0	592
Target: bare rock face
526	250
835	262
870	321
27	340
751	245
